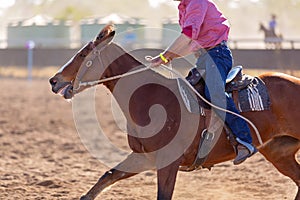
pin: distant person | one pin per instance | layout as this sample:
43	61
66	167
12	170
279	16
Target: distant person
273	24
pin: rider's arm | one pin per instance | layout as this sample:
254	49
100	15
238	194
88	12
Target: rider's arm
181	47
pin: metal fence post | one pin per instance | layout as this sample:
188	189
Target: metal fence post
30	46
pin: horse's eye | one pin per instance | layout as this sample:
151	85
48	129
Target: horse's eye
82	55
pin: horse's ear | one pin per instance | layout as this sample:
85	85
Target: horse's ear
106	34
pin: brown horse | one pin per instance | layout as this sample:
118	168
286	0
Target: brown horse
279	127
272	40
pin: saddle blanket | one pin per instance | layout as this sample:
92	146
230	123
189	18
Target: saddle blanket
254	97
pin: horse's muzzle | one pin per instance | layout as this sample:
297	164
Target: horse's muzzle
68	93
64	89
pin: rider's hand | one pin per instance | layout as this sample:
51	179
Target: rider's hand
156	61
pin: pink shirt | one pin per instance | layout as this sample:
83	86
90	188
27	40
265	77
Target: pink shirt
202	21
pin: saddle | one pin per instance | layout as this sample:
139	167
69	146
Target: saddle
248	93
237	81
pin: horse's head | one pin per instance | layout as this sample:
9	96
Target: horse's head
63	81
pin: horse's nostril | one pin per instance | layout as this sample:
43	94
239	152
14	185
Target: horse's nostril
53	81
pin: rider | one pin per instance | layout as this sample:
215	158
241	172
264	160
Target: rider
273	23
205	32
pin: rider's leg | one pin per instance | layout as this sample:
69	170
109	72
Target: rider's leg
241	130
218	62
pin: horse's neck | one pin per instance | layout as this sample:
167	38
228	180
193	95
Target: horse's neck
268	33
264	29
120	62
123	89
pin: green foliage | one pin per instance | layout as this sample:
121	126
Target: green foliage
74	13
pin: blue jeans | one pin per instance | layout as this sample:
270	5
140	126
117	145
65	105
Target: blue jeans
217	62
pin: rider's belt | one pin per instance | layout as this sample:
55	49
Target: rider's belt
223	43
204	50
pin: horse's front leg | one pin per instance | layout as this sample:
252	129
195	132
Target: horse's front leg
132	165
166	181
106	180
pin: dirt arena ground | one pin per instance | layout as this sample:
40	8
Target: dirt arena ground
42	157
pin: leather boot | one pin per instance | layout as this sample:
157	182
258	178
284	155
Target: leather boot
243	152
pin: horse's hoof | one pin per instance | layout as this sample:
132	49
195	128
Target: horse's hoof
85	198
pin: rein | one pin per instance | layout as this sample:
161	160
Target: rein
172	71
93	83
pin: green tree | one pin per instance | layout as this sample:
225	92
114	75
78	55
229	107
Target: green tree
73	13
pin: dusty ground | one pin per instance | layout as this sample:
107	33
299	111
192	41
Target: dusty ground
41	157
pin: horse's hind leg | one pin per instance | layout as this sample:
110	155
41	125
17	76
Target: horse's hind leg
131	166
281	152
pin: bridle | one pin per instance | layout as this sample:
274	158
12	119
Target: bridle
96	53
87	64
